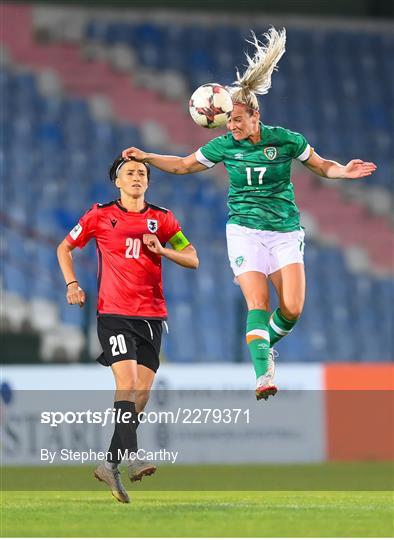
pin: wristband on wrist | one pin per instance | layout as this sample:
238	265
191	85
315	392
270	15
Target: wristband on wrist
75	281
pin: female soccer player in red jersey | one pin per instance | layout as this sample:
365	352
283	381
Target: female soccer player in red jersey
130	235
264	237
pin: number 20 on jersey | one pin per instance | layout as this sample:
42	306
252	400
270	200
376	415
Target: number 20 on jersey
133	248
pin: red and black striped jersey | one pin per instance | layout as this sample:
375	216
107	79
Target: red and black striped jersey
129	275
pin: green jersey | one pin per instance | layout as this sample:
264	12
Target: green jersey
261	194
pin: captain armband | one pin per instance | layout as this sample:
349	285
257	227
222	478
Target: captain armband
179	241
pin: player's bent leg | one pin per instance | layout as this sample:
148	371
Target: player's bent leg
289	283
254	286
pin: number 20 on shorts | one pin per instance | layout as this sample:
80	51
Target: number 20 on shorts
118	345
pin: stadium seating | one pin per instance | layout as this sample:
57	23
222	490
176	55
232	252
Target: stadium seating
199	307
56	148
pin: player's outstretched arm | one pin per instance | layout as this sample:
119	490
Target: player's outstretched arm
186	257
356	168
74	293
171	164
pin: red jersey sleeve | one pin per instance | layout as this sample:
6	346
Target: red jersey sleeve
171	227
84	230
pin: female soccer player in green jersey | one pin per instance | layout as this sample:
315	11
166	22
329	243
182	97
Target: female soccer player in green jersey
264	236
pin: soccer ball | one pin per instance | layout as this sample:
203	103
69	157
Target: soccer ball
210	106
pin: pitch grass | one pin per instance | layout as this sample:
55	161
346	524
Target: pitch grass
198	514
332	476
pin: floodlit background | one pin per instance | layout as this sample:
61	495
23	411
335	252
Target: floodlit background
78	85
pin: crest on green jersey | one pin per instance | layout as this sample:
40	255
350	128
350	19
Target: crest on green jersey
239	261
270	152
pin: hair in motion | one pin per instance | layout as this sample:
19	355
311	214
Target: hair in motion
256	79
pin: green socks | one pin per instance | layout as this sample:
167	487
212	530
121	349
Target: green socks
258	339
262	332
279	326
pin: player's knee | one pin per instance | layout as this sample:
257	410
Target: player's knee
292	310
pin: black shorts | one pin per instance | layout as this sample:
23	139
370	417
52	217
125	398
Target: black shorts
129	339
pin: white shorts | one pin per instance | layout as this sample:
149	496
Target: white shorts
262	251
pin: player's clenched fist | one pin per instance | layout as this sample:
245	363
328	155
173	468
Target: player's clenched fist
75	295
153	243
134	153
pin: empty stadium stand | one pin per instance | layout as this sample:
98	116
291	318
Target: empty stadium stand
64	117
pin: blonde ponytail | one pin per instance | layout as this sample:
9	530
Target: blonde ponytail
257	76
